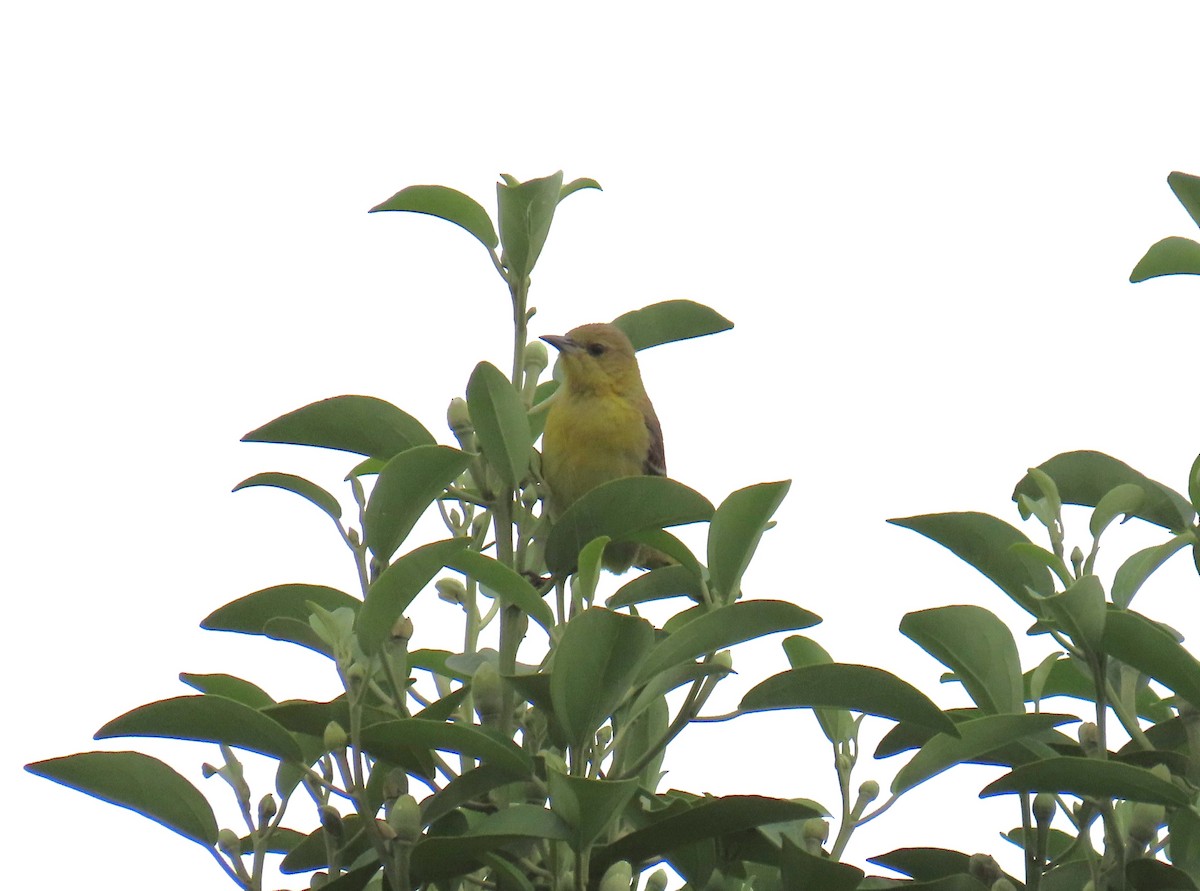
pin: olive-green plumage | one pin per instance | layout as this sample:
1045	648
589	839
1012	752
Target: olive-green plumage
601	426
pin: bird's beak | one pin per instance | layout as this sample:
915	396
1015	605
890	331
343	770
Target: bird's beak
560	342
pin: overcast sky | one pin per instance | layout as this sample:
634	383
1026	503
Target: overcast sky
920	216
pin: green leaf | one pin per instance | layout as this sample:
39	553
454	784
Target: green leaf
501	423
391	740
976	738
1067	677
1136	641
658	584
1133	573
407	485
836	724
1154	875
1086	477
300	486
206	718
1183	845
670	321
437	858
1088	777
924	864
802	870
1170	256
591	562
1080	611
447	204
984	542
230	687
473	785
280	613
1187	189
577	184
594	665
526	212
1194	483
589	807
860	688
621	508
137	782
391	593
706	818
1123	499
313	852
736	528
360	424
507	585
723	627
977	647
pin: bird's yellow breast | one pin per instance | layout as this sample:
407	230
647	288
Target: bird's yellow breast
590	439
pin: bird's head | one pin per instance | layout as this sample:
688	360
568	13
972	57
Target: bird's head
597	358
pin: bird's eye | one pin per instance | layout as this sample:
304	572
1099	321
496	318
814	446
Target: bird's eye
596	349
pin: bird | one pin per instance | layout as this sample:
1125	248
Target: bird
601	426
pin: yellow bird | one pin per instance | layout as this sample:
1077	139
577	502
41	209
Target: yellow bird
601	426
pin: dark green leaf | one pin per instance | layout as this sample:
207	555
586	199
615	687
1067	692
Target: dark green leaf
406	486
976	738
621	508
509	586
1080	611
470	786
1137	641
1133	573
735	531
589	807
723	627
360	424
390	740
447	204
297	632
659	584
1194	483
391	593
437	858
1088	777
670	321
300	486
1183	845
312	852
860	688
500	423
1170	256
354	879
1122	500
594	665
802	871
206	718
837	724
1154	875
1085	477
924	864
977	647
1187	189
984	542
230	687
706	818
255	613
138	782
526	212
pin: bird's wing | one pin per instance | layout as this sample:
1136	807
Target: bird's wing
656	456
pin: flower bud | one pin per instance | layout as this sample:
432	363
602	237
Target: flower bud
617	877
869	790
488	691
388	833
657	881
723	659
604	736
984	868
405	818
331	821
458	418
395	784
1089	738
529	496
451	590
208	770
536	358
815	833
1044	807
318	880
1077	560
402	630
355	675
229	843
1144	822
267	809
335	737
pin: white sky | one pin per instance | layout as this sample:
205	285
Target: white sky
920	216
